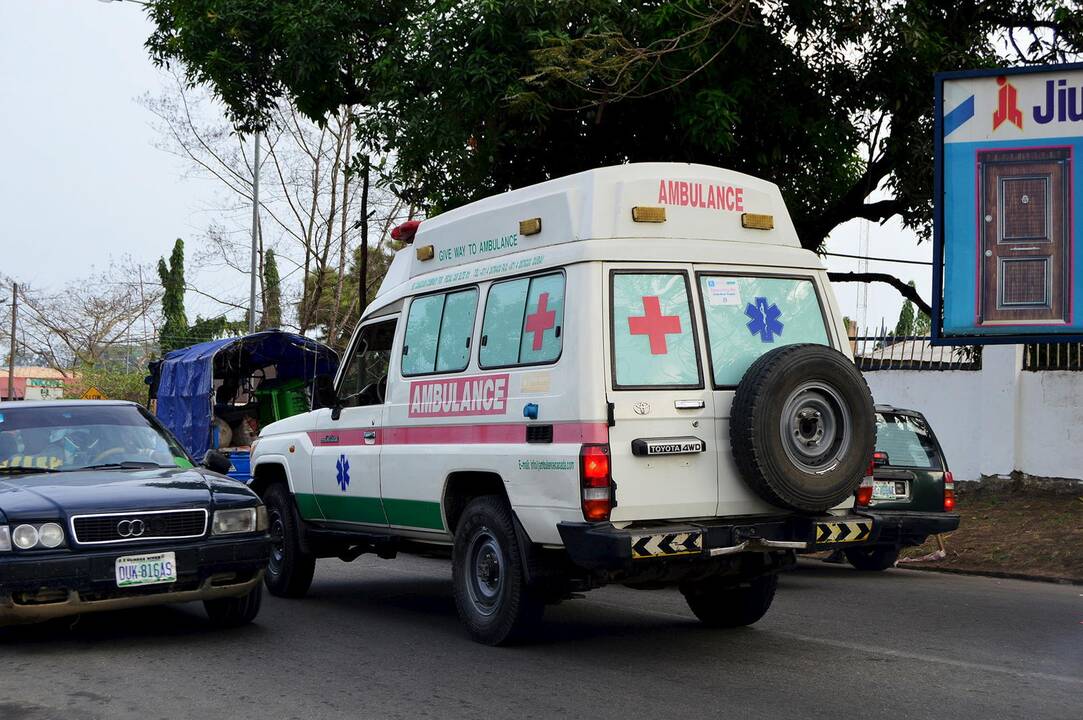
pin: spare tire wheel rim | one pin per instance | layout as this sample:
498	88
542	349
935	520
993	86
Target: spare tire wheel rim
485	570
815	427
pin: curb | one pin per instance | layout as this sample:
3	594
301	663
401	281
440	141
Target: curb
1003	575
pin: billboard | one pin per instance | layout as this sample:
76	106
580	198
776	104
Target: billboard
1008	148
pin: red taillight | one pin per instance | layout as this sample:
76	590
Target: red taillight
949	491
596	482
864	490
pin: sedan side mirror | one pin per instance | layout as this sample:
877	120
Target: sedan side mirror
323	393
217	462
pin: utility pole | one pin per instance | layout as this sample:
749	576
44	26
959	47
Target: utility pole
11	356
255	245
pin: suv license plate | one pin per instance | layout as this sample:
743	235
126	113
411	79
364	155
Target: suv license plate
133	570
888	489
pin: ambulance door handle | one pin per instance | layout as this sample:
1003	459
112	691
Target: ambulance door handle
688	404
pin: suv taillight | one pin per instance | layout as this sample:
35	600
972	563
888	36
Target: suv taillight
949	491
596	482
864	490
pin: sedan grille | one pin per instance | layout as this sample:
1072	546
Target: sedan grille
135	526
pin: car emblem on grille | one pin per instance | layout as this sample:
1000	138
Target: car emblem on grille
642	408
130	528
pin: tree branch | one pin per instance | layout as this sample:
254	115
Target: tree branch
905	290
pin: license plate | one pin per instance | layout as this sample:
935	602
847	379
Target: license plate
888	489
153	569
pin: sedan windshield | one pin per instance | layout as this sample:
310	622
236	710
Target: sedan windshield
77	437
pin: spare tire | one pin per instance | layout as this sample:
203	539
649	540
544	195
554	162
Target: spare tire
802	427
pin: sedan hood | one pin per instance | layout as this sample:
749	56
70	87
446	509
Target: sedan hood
61	494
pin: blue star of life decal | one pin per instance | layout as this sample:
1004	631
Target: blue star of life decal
763	319
343	472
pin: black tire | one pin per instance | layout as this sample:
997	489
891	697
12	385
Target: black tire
491	594
235	611
721	605
802	427
872	559
289	569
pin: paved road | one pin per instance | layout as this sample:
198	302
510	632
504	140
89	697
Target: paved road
379	639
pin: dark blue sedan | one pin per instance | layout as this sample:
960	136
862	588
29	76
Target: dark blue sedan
101	509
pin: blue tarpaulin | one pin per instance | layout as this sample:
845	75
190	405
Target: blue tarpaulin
185	377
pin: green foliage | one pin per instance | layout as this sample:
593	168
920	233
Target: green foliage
272	293
175	322
335	323
911	322
113	380
480	96
176	332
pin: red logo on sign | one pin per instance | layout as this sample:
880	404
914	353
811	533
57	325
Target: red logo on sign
481	395
541	321
1007	105
655	325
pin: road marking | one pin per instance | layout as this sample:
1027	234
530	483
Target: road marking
875	650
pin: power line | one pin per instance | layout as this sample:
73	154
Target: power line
879	259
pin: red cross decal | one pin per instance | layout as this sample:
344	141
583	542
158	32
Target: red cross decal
655	325
542	320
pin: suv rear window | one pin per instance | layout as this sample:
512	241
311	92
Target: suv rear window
653	338
747	316
907	440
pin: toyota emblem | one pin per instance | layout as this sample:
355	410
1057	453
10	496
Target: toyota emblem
642	408
130	528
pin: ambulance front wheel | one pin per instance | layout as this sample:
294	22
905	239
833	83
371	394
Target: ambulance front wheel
491	593
289	568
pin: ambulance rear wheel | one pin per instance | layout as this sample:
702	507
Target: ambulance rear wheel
289	568
491	593
721	605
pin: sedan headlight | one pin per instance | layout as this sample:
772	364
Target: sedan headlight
230	522
48	535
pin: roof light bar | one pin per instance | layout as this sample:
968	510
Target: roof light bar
530	227
755	221
649	214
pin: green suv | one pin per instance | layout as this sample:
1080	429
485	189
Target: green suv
911	491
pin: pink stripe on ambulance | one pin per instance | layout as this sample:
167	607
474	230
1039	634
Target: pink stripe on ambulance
456	397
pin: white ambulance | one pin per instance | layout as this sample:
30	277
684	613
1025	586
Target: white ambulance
633	374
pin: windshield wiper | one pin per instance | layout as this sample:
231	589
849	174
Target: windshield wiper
18	470
126	465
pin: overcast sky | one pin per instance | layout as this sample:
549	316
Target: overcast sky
82	180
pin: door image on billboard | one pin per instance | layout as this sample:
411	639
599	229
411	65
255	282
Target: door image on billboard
1024	236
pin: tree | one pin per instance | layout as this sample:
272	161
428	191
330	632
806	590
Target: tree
176	332
175	326
272	304
911	323
829	100
87	321
316	198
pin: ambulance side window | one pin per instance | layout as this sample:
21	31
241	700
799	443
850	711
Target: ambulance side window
523	322
438	331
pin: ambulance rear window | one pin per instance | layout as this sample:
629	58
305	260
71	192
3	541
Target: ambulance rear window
653	338
438	331
747	316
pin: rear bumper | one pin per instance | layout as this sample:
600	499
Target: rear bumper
38	587
901	527
603	547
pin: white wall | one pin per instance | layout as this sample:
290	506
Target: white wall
998	419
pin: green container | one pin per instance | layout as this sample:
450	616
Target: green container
281	401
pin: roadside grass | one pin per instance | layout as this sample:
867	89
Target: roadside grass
1026	531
